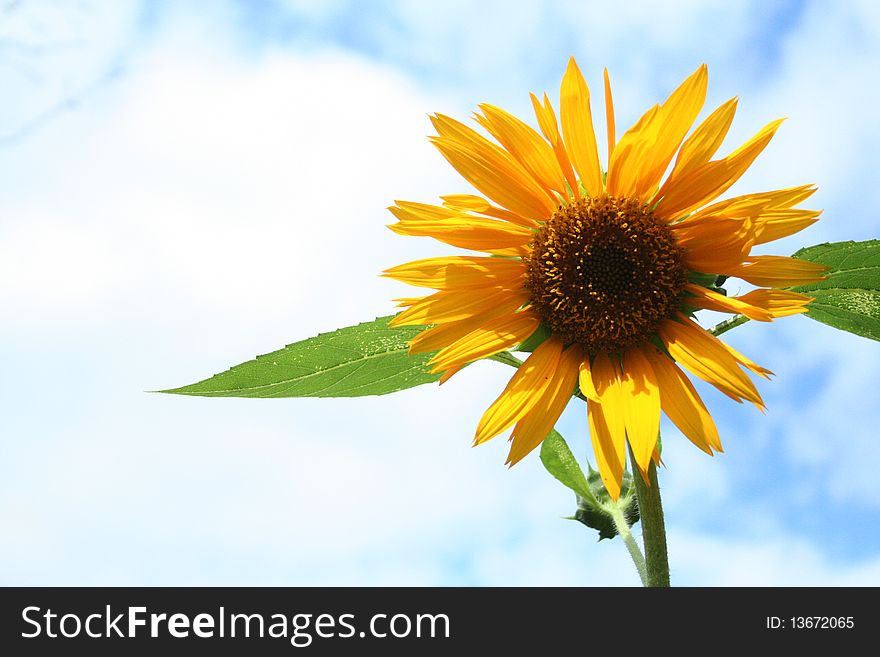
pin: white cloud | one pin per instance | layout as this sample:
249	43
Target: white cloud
202	211
54	53
825	86
253	191
58	269
772	560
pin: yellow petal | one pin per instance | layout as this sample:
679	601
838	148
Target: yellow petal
668	128
704	183
408	301
474	203
577	128
705	356
467	202
712	231
777	271
461	230
609	451
531	430
682	405
705	141
640	399
490	168
526	145
458	272
496	336
776	224
761	304
546	118
752	205
585	380
454	305
437	337
770	212
468	235
547	122
779	303
510	252
504	185
746	362
606	382
609	116
607	428
709	300
446	333
786	198
654	139
657	461
626	158
412	212
416	214
714	243
706	231
448	374
526	386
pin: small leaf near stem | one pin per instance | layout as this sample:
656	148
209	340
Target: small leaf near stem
599	510
596	509
561	463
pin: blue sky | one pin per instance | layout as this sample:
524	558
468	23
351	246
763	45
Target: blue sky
187	188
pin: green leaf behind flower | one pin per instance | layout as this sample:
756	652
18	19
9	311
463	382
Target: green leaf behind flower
561	463
594	504
849	299
368	359
535	339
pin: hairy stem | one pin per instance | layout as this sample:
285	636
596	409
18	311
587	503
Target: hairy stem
653	526
629	540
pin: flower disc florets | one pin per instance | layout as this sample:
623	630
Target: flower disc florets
603	272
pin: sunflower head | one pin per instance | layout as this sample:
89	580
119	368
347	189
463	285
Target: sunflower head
610	264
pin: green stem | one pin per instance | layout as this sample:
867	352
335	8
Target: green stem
629	540
653	526
728	324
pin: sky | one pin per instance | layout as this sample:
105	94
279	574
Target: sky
184	188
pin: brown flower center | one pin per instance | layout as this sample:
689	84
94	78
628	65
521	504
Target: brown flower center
603	272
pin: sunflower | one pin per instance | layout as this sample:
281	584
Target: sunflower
602	270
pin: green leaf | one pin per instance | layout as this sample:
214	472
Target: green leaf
560	462
368	359
507	358
594	504
849	299
535	339
596	515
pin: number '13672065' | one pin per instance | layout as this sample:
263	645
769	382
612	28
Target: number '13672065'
810	623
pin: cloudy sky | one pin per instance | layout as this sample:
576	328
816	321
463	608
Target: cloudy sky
185	187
